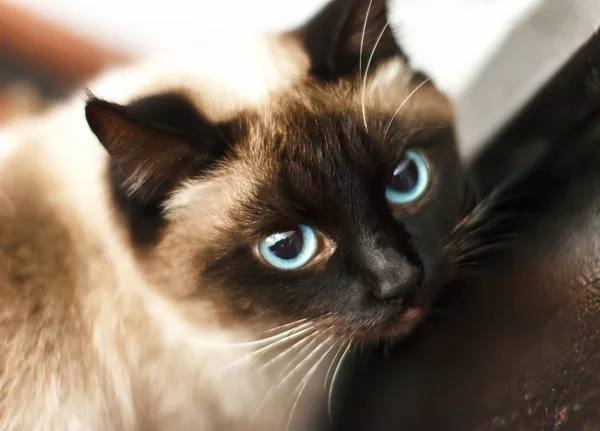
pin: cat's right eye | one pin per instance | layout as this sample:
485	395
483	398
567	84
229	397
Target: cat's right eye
409	180
289	250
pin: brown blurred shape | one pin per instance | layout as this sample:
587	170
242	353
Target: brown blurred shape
45	44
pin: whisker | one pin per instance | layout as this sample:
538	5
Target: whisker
362	42
293	346
316	364
284	340
313	320
331	365
362	39
279	381
481	233
387	129
367	74
305	380
303	361
268	347
287	325
263	340
337	369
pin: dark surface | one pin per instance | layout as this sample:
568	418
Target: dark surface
517	347
562	106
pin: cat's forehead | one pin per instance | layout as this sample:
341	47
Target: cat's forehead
308	154
314	143
317	126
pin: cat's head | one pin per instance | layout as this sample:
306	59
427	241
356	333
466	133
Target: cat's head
334	199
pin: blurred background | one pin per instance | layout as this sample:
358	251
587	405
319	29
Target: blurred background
490	56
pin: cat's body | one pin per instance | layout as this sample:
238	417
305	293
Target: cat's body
114	316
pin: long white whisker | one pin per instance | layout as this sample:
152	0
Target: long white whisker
263	340
270	346
279	381
286	351
362	39
283	340
323	343
337	369
331	366
364	85
387	129
287	325
313	320
304	382
302	362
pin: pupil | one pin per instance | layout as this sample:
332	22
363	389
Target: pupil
406	176
289	245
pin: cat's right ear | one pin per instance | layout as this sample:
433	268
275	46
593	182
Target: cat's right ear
154	144
346	33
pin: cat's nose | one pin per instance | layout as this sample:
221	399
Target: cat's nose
399	283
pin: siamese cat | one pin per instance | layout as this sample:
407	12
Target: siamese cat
192	243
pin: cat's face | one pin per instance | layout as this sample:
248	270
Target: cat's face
328	201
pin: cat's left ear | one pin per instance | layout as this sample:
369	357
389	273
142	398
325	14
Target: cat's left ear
155	143
347	32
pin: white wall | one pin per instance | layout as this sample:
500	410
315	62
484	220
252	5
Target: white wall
489	55
147	25
538	44
449	38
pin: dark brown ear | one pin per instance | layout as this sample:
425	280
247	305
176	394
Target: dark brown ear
154	144
333	38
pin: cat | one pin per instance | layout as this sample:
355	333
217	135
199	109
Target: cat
187	245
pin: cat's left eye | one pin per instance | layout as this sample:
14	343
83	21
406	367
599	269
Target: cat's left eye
409	180
289	250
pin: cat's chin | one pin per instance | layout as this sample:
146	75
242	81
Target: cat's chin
401	327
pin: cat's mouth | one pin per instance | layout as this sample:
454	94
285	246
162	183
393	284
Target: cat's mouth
400	323
399	327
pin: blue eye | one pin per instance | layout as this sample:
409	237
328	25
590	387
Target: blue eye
409	181
289	250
